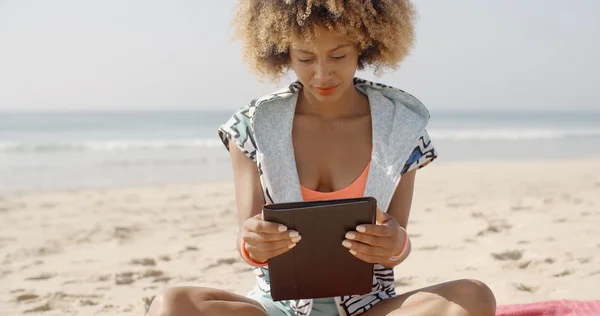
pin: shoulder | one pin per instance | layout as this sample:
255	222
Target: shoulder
404	119
397	97
239	128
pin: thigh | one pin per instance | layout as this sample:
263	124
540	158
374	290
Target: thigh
187	300
460	297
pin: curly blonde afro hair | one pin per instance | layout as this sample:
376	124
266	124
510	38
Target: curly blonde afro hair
382	29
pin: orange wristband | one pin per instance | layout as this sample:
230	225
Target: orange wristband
398	257
247	258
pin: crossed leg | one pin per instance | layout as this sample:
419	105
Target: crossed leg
455	298
199	301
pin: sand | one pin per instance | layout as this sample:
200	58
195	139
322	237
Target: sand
529	229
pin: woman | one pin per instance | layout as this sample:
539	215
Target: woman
328	135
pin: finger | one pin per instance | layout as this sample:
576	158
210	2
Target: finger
256	224
385	242
368	258
366	249
265	247
263	256
254	237
278	252
376	230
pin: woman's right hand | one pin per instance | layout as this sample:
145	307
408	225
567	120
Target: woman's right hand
265	240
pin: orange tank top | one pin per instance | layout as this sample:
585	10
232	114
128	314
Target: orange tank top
354	190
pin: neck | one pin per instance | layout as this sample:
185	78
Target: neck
351	103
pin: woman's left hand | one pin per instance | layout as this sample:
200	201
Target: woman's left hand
376	243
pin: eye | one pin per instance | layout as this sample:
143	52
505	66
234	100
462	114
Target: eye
304	60
338	57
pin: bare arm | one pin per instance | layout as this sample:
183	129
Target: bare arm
400	205
263	240
248	191
378	243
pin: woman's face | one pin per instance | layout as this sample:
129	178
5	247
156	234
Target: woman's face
326	65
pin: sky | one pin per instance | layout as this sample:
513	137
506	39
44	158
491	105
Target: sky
179	54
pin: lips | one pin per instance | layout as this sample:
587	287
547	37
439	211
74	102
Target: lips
326	90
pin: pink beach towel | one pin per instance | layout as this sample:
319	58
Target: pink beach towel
551	308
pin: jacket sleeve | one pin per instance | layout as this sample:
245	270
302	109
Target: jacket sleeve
423	153
238	130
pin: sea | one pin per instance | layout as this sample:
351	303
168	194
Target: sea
72	150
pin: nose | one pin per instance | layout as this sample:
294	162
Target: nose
323	72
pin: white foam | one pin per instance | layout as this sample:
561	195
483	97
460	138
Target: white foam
454	134
107	145
510	134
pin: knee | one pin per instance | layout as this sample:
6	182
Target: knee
480	299
175	301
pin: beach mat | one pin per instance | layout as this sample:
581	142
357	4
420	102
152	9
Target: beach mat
551	308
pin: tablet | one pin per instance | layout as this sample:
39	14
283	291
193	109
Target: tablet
319	266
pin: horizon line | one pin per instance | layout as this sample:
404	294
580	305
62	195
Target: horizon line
180	110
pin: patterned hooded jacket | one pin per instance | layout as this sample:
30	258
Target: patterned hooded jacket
262	130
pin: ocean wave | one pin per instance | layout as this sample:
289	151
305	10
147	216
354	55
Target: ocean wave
456	134
510	134
107	145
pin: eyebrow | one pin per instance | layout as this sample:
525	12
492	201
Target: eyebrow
309	52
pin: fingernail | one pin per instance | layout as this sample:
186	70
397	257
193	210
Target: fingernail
350	236
282	228
353	252
292	246
293	234
361	229
347	244
296	239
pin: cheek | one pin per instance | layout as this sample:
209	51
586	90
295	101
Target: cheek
303	71
351	64
346	70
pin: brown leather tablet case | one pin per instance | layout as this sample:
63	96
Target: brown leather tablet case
319	266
